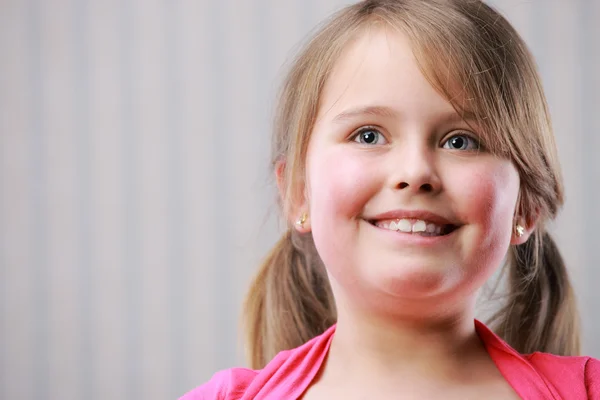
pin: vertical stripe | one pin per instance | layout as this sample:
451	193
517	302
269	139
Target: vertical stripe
539	43
589	12
4	266
564	93
133	272
4	334
198	160
265	82
174	130
306	10
108	268
4	262
223	178
83	154
16	136
38	190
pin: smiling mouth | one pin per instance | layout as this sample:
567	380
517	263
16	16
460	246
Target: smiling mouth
414	227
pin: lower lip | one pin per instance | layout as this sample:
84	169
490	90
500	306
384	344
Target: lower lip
409	239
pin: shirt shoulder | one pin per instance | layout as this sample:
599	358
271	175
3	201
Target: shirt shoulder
592	378
235	383
224	385
569	373
285	376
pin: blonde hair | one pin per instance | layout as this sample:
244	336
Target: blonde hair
467	51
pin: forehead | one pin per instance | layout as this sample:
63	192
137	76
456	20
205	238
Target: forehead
378	68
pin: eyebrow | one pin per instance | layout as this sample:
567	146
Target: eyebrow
387	112
377	111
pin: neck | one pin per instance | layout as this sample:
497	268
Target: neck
372	347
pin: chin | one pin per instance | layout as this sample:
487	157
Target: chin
415	282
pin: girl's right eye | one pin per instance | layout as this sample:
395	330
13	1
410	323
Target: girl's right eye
370	136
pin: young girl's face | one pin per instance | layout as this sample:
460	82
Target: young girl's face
388	149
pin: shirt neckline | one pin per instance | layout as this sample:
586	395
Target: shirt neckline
518	372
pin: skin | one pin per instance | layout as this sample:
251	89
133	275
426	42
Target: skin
405	309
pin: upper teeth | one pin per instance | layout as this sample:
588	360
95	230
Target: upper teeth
407	225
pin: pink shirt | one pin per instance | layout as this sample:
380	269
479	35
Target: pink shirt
288	375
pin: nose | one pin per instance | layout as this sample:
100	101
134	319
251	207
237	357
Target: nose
414	169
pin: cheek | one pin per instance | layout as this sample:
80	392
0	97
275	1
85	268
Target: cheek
489	197
339	186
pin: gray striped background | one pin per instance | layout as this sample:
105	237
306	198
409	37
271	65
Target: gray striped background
134	199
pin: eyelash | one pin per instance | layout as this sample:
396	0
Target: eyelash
477	143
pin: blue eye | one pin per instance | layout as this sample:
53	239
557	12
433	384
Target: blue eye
370	136
461	142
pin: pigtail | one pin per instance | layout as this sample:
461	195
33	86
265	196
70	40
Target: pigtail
290	300
541	313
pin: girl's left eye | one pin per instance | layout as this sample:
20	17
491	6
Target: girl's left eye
462	142
369	136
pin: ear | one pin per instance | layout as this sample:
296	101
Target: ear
522	230
295	210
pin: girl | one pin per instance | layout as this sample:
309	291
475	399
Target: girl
414	155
